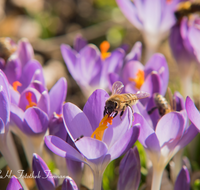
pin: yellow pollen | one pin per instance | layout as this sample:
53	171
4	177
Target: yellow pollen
102	127
16	84
29	99
104	47
139	79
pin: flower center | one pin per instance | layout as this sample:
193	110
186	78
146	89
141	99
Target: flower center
16	84
104	47
139	79
102	127
29	99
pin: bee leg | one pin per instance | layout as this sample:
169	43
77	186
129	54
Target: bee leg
104	113
152	110
116	112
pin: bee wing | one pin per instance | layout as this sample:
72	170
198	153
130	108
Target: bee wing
117	87
141	95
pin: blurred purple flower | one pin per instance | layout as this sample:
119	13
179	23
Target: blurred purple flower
129	171
152	18
89	67
117	139
14	184
183	180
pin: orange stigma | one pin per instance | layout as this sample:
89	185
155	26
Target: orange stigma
104	47
16	84
139	79
102	127
57	115
29	99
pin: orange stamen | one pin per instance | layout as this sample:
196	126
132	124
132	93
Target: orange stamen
104	47
139	79
16	84
103	125
29	99
57	115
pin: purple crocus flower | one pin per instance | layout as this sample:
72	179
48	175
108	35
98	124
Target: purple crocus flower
151	78
183	180
152	18
129	171
118	138
184	45
89	67
43	176
14	184
165	140
69	184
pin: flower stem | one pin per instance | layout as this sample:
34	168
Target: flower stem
97	180
157	178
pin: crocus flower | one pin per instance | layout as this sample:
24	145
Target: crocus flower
116	139
165	140
14	184
89	67
183	180
151	78
43	176
184	45
152	18
129	171
7	146
69	184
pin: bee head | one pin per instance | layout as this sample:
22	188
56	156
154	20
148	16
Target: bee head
110	107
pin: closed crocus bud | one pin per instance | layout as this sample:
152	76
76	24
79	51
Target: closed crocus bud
129	171
69	184
14	184
43	177
183	180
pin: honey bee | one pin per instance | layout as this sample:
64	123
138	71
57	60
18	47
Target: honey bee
186	8
119	102
162	104
6	48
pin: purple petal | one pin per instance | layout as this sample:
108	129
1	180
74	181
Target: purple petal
4	83
135	53
170	127
130	11
13	69
25	51
96	100
129	171
124	143
180	102
45	181
63	149
69	57
43	102
118	128
183	180
28	73
159	64
69	184
76	122
38	86
91	148
57	99
35	121
147	135
130	70
79	43
14	184
2	127
188	136
192	112
4	106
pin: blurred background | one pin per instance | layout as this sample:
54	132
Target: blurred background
49	23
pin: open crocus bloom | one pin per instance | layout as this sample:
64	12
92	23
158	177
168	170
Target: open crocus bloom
117	138
153	18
